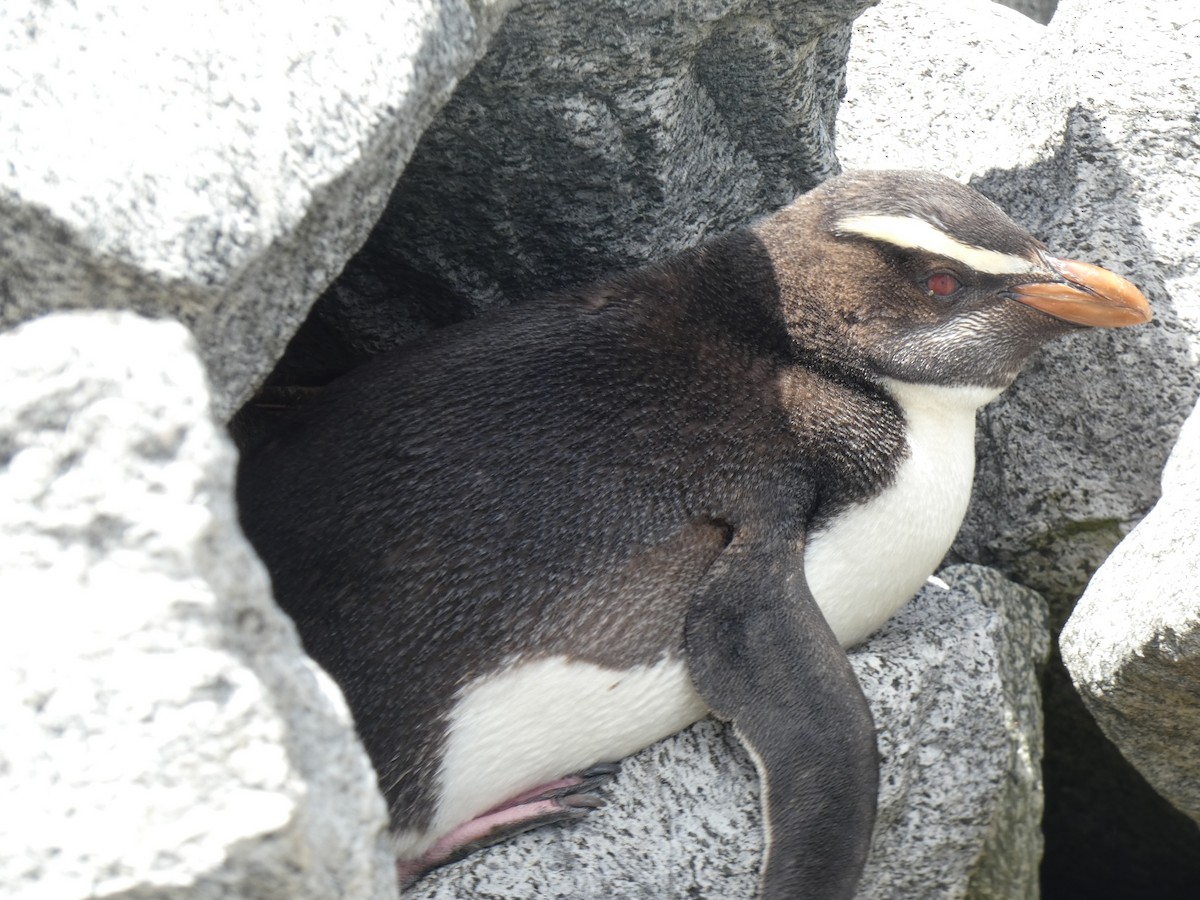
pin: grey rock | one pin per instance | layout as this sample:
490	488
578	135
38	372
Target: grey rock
1085	131
164	735
217	163
1089	142
1039	10
1132	645
106	199
573	150
953	681
569	151
953	687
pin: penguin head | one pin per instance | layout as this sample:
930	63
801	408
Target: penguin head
915	277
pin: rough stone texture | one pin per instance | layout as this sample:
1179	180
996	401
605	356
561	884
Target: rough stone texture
572	151
1089	142
1132	645
164	735
953	686
1084	131
215	162
106	199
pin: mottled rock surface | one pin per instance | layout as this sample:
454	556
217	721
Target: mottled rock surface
215	162
1132	645
1090	144
953	687
1085	132
571	151
164	734
215	165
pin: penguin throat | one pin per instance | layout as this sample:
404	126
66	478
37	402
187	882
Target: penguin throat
869	559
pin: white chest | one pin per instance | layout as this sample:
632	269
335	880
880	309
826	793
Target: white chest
874	557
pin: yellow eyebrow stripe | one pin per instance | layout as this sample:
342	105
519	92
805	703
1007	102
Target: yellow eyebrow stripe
915	233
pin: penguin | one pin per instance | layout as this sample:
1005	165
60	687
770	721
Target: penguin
530	544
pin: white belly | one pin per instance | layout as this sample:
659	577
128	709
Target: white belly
547	718
875	556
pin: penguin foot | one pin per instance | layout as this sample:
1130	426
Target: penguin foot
563	800
587	780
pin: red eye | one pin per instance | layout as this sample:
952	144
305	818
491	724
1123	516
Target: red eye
943	284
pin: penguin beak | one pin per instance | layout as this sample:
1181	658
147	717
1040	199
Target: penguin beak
1084	294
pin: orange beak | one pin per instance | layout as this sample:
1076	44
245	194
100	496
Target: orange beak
1086	295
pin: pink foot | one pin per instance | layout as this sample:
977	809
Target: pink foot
563	800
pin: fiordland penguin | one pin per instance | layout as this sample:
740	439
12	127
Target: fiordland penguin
540	540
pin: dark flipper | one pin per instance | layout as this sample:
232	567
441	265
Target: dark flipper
762	656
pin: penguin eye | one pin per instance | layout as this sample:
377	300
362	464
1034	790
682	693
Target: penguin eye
942	284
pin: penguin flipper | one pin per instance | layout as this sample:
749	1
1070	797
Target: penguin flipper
762	656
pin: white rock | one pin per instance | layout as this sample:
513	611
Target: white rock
217	162
164	735
1132	645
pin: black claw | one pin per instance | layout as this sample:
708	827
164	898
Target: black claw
589	779
585	802
601	768
597	776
